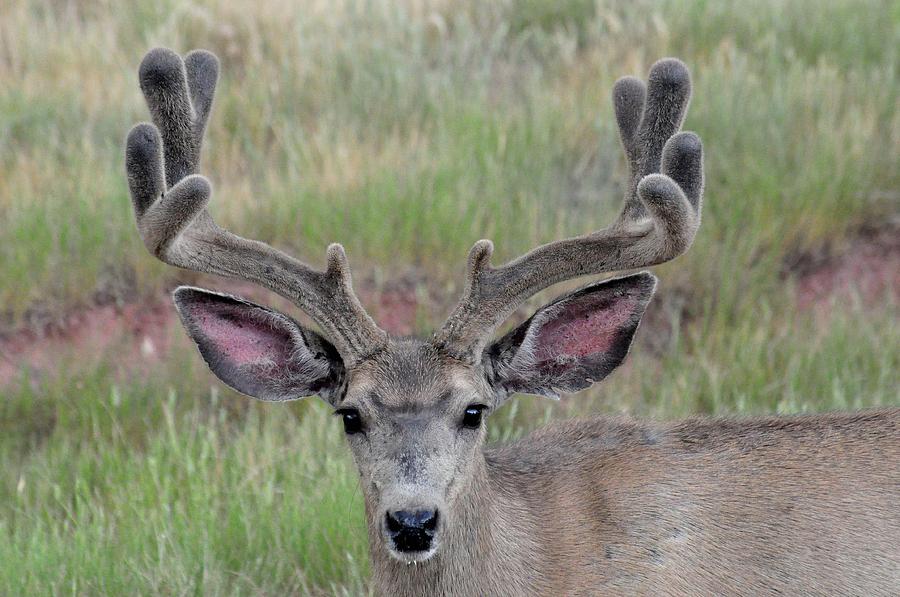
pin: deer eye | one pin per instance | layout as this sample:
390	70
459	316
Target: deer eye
472	416
352	420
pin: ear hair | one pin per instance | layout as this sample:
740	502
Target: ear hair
573	342
258	351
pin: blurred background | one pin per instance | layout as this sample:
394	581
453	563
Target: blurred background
407	130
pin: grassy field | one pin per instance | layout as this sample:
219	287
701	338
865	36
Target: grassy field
408	130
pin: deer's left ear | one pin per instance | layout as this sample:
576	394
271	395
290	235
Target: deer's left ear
573	342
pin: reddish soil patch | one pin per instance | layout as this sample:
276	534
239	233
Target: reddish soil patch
867	269
138	334
139	331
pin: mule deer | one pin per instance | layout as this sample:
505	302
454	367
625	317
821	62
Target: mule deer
793	505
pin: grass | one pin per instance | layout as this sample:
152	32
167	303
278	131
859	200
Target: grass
441	122
159	489
202	507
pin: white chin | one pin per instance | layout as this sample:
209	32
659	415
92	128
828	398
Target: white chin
412	558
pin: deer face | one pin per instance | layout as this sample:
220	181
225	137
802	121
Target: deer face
414	415
414	420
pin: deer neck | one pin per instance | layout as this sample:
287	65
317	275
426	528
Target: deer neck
487	550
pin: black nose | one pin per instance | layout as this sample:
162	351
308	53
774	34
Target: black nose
411	531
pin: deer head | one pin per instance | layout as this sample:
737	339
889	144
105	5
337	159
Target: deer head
413	409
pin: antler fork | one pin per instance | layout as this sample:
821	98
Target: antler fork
170	201
658	222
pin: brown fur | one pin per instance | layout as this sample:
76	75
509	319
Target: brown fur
806	505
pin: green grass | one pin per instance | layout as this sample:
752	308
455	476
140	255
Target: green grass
201	506
442	123
156	488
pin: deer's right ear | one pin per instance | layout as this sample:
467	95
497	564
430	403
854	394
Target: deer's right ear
573	342
258	351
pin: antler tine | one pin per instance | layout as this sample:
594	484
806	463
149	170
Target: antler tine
658	221
170	202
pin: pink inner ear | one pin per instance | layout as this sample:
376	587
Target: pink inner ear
586	326
240	337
